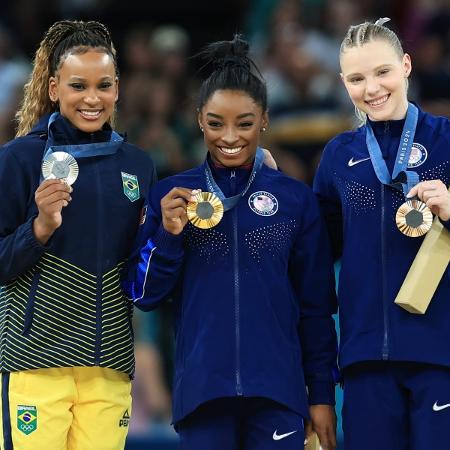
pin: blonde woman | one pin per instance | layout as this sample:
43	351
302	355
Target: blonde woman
396	365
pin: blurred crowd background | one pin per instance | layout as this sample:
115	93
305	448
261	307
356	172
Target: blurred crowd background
296	45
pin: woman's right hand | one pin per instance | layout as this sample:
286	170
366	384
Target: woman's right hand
50	197
173	209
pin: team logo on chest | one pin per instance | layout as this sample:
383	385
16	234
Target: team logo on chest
26	418
263	203
418	155
130	186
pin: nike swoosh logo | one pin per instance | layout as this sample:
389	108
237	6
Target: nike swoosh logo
437	407
352	162
277	437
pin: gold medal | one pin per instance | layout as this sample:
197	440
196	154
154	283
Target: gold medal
414	218
61	166
206	211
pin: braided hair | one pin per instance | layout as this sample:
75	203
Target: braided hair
63	38
358	35
231	69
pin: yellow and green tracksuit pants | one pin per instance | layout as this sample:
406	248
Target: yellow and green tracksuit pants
69	408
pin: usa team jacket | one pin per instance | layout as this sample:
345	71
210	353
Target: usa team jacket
61	304
253	297
376	256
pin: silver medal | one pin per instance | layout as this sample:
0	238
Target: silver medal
61	166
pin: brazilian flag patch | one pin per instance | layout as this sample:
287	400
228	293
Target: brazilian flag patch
27	418
130	186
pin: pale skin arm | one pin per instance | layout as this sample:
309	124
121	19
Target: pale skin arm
435	195
50	197
323	422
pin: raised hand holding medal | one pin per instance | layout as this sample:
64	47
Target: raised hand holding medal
173	208
435	195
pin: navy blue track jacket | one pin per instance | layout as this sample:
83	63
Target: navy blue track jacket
253	297
376	256
61	304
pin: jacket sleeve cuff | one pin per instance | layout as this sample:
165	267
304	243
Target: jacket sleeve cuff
31	240
321	393
167	242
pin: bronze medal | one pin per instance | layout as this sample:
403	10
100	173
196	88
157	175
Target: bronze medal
414	218
206	211
61	166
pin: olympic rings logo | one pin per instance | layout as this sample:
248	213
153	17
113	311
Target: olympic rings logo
24	427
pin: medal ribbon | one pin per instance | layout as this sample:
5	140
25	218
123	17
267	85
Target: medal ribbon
402	179
81	150
231	202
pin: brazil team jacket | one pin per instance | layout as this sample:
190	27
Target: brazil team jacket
253	297
61	304
376	256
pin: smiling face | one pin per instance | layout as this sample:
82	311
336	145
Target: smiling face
375	78
232	122
86	88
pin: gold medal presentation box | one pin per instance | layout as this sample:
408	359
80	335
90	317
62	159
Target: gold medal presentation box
426	270
313	443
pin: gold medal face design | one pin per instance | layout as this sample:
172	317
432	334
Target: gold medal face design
61	166
414	218
206	212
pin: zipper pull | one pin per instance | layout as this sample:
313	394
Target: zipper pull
233	174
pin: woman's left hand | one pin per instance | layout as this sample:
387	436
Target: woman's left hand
435	195
323	419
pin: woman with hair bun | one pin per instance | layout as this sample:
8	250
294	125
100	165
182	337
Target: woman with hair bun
72	195
378	187
242	251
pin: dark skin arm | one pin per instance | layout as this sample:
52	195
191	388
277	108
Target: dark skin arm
173	209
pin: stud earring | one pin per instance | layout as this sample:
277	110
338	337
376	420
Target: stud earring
263	129
202	130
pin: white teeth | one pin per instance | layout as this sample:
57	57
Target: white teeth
380	101
231	151
90	113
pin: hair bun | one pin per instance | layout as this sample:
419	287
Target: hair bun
223	53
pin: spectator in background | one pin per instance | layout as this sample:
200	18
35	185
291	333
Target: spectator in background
14	70
156	96
432	64
300	65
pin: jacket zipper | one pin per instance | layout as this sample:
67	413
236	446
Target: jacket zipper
98	297
236	289
385	350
